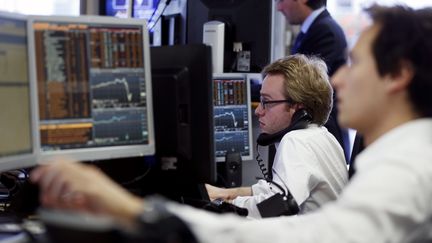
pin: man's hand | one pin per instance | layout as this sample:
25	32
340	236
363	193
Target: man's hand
66	184
227	194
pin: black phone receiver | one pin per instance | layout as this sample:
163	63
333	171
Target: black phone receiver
300	120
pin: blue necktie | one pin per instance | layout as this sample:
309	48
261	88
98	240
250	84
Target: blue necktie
297	42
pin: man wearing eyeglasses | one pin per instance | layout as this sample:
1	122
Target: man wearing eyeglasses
309	163
319	35
385	93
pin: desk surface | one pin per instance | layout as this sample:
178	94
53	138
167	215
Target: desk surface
17	230
20	237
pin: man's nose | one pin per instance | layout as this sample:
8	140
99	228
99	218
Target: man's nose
339	77
259	111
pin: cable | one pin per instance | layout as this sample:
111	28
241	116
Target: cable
287	192
154	11
153	24
261	164
136	179
11	182
222	179
265	174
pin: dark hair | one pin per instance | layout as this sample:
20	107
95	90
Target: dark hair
405	38
316	4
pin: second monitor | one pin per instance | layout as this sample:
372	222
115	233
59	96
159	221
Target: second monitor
232	115
94	88
17	134
182	88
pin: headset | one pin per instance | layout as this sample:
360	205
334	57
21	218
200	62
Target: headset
280	204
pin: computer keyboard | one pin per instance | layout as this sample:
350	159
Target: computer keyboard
16	229
9	218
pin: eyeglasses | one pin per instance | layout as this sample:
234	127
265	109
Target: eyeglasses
264	102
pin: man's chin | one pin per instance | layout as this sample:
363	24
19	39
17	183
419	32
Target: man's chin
343	121
264	131
268	131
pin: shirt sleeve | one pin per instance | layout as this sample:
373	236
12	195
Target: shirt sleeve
371	209
293	168
261	191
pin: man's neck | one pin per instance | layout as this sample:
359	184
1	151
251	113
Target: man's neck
393	120
311	15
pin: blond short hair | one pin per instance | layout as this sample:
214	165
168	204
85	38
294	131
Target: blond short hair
306	83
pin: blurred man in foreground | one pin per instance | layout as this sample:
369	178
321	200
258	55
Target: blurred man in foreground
384	94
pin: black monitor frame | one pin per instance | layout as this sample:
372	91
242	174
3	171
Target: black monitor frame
183	113
246	21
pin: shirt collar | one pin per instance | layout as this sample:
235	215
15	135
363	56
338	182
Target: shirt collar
310	19
411	132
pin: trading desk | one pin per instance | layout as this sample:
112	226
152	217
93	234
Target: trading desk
21	230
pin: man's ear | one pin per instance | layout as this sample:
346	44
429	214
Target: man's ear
294	108
402	78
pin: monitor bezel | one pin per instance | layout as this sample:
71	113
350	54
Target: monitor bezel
19	161
249	106
105	152
194	143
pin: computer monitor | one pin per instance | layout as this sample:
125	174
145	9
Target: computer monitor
255	80
93	87
17	137
182	88
232	115
144	9
116	8
248	22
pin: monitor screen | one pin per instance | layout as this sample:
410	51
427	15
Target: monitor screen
93	87
16	134
144	9
118	8
182	88
232	115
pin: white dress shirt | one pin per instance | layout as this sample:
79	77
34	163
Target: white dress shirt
388	200
309	163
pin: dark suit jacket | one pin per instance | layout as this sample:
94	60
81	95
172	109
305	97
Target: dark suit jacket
326	40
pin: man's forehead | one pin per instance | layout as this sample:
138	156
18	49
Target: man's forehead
365	40
272	86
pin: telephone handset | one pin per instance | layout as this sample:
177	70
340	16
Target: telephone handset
280	204
300	120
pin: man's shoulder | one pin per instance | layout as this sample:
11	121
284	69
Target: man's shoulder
312	132
325	23
406	143
326	39
315	139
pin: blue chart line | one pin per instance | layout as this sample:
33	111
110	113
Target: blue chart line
228	114
231	117
110	121
223	139
116	89
122	81
118	126
237	141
